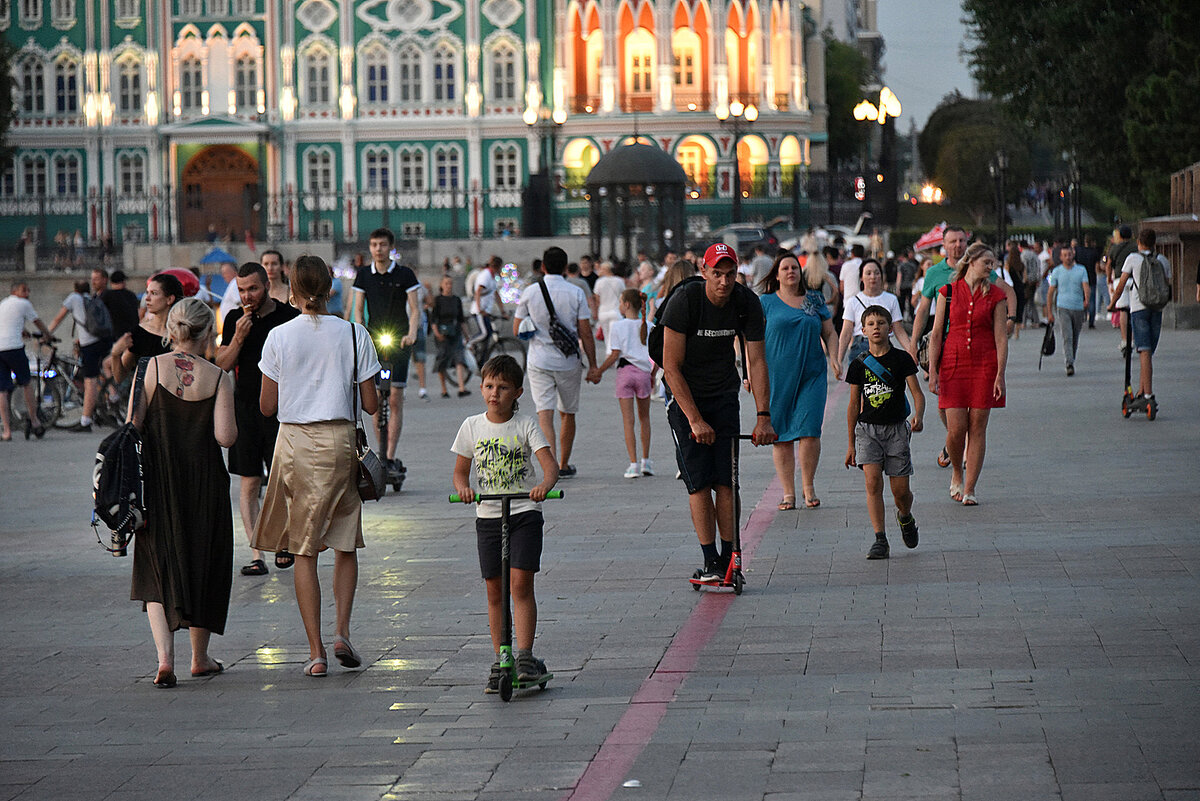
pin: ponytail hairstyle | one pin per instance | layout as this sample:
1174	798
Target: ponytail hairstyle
637	302
311	283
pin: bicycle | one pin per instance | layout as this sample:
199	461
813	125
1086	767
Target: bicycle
496	343
59	386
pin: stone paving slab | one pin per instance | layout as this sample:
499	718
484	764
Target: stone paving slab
1043	645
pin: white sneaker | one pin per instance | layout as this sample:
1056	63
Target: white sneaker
632	471
647	467
423	394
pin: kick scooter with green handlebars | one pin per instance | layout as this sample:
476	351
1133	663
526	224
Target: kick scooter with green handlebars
508	665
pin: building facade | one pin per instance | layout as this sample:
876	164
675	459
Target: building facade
179	120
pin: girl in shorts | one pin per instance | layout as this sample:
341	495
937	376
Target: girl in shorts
627	349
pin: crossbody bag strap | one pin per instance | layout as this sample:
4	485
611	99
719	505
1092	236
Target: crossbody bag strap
878	369
354	386
139	381
549	303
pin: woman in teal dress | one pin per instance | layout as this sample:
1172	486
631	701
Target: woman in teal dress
797	367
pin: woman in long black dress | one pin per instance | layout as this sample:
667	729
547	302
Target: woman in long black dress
447	321
163	290
183	559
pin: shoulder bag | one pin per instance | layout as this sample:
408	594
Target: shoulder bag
564	338
369	475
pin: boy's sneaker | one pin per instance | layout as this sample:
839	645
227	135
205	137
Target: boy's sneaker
493	682
908	529
530	669
632	471
880	550
711	572
647	467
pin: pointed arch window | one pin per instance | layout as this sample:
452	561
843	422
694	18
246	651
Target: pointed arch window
189	8
446	166
31	12
506	161
504	73
191	84
378	170
245	82
410	75
33	175
128	9
129	85
318	74
445	70
412	170
66	86
318	170
375	64
131	168
33	85
62	10
66	176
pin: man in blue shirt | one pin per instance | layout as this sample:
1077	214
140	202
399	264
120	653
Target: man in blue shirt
1067	300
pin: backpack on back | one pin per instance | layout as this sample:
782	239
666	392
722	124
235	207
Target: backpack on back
117	484
1153	286
96	319
654	339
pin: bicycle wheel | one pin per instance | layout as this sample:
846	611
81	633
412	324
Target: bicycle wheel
71	408
48	404
508	347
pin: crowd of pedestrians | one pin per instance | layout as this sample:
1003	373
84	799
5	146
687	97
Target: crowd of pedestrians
283	388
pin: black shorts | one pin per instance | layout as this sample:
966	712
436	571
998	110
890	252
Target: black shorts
524	542
704	466
394	368
255	444
14	368
92	356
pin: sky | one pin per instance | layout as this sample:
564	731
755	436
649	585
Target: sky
922	63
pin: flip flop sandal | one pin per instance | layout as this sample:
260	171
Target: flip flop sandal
220	668
969	500
812	503
788	503
943	458
256	568
284	560
956	492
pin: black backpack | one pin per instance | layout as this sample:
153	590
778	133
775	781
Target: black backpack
654	340
97	320
117	483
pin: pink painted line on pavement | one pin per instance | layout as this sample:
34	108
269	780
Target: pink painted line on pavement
633	732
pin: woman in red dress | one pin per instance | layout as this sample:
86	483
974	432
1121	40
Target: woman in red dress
967	374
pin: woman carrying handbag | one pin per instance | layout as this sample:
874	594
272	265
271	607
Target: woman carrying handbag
312	501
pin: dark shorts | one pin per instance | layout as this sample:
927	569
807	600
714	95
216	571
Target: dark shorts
91	356
1147	326
524	542
704	466
14	368
394	369
255	444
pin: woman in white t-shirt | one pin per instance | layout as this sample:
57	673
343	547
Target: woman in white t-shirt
872	294
312	500
627	348
608	291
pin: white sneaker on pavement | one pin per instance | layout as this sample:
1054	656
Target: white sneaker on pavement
632	471
647	467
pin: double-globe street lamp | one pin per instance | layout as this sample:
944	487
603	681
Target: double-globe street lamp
738	117
539	203
885	114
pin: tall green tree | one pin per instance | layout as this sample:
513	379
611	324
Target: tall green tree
846	72
1115	83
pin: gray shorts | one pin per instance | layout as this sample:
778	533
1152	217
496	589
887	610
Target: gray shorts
886	445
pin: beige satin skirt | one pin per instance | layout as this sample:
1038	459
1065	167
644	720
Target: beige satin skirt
312	498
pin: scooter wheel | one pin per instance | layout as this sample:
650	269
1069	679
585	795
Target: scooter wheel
506	687
1151	410
738	583
1125	410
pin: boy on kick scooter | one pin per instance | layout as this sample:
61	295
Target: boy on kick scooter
500	445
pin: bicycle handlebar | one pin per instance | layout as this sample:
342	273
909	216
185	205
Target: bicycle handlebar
550	496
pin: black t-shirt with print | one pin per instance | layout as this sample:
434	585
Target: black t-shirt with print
883	403
708	362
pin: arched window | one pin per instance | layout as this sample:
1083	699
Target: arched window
506	167
8	180
129	85
33	85
218	8
191	84
33	175
189	8
318	170
639	70
410	74
445	61
412	170
66	86
318	77
62	10
31	13
375	63
131	168
66	176
378	170
245	82
504	73
245	8
128	9
446	168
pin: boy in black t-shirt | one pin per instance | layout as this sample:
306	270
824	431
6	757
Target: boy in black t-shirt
879	433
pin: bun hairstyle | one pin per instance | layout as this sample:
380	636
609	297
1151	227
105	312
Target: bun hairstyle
311	284
190	320
976	250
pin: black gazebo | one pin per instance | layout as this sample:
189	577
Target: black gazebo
635	196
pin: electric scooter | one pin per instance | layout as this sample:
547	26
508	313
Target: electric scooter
733	577
508	681
1131	403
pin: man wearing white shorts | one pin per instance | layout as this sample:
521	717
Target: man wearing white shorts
555	376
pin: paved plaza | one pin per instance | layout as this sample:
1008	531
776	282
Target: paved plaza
1043	645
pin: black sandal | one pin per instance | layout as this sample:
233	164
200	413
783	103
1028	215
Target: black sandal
284	560
256	568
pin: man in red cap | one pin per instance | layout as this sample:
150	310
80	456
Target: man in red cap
699	329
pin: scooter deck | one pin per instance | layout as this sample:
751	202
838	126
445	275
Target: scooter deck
528	685
735	582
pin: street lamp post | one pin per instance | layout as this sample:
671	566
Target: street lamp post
541	184
885	114
738	117
998	168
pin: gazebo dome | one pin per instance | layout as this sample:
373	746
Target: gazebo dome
636	163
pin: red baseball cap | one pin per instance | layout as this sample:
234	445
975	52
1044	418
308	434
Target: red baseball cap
717	252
